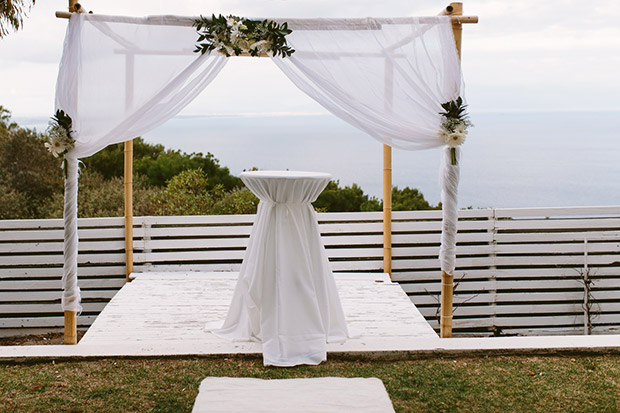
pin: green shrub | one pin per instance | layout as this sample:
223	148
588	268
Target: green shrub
237	201
28	171
13	204
100	197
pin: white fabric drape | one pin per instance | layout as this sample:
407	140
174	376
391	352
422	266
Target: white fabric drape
118	79
449	180
387	77
122	77
71	292
286	296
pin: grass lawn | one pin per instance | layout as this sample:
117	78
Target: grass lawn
493	384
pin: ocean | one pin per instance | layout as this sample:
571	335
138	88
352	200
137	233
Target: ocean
510	160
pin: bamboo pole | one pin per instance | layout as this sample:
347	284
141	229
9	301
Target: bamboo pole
387	209
70	327
447	280
190	20
128	174
128	209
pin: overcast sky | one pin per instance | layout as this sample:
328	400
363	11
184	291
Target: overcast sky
527	55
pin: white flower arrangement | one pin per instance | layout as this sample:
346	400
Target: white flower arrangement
454	126
59	140
234	35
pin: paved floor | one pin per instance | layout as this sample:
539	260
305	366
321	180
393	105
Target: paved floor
163	314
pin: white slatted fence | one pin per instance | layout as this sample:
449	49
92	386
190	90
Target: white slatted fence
520	270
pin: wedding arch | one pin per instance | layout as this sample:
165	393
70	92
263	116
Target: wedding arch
121	77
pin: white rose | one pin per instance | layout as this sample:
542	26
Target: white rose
455	139
55	146
231	22
461	128
235	36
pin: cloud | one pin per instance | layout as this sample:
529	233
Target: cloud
522	54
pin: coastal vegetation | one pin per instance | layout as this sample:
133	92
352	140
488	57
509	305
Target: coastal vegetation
166	182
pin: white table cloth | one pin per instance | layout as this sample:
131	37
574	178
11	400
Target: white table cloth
286	296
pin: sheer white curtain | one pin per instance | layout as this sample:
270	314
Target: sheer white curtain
119	78
387	77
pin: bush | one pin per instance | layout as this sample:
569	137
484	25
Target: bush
186	194
237	201
347	199
13	204
160	165
100	197
408	199
28	171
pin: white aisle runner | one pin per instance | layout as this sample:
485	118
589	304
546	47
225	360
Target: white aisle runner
320	395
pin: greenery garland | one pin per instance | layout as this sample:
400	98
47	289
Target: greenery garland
234	35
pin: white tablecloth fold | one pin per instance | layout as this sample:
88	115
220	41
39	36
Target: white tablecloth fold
286	296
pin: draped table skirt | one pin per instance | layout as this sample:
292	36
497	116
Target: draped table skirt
286	296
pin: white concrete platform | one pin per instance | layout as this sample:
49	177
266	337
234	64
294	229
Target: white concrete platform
163	314
317	395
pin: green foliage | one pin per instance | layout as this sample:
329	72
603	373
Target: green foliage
408	199
5	120
234	35
28	171
12	13
188	193
454	109
13	204
237	201
63	120
100	197
166	182
353	199
160	165
347	199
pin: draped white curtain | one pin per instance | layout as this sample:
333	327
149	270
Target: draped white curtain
121	77
387	77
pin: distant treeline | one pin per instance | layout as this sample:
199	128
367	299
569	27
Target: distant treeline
166	182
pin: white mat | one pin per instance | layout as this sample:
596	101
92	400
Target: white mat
323	394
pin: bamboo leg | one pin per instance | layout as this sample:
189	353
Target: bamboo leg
447	280
387	209
70	327
128	209
447	290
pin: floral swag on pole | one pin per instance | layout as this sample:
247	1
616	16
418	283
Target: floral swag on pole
59	140
235	35
454	125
